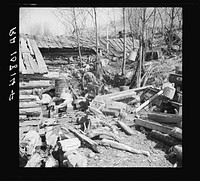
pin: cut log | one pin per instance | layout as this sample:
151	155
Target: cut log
31	111
153	125
176	132
164	117
91	144
148	101
165	138
124	147
126	128
34	84
28	104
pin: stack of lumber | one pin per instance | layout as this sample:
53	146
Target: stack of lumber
28	97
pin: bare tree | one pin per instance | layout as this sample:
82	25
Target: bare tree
77	34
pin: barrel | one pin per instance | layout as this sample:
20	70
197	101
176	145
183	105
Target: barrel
60	86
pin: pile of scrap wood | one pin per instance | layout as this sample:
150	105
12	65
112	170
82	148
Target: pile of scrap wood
57	140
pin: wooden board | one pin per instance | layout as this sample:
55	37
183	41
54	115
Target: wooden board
40	42
39	57
22	68
28	104
30	48
29	123
34	84
164	117
26	92
54	44
24	47
153	125
120	95
57	41
25	57
31	111
28	98
34	65
165	138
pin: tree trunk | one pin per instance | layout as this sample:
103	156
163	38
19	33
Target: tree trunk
77	34
142	49
96	31
124	53
154	18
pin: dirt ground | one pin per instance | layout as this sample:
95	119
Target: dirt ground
111	157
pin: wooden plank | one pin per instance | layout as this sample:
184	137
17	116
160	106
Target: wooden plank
22	68
39	57
28	104
24	47
29	46
148	101
26	92
34	84
120	95
165	138
57	41
28	98
29	123
39	41
34	65
25	57
31	111
153	125
176	132
55	45
164	117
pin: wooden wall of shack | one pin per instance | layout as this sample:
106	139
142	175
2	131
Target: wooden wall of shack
31	78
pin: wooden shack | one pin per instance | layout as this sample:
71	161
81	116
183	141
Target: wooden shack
32	67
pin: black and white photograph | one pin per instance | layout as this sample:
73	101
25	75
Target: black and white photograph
99	86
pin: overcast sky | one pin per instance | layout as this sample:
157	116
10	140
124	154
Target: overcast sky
31	16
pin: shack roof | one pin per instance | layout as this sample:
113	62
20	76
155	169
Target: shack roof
115	45
30	57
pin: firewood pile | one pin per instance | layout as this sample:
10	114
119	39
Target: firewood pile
68	125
